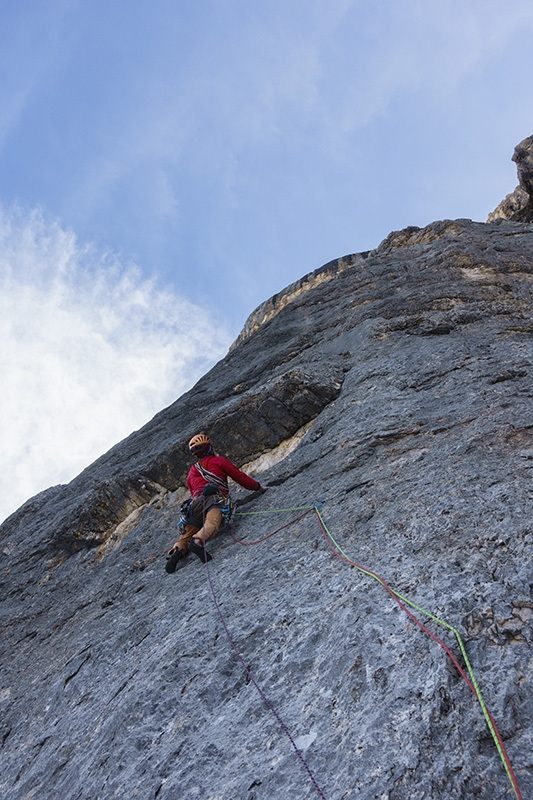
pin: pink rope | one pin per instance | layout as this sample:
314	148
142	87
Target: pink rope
258	541
421	625
251	677
400	604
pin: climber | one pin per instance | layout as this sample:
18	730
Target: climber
210	502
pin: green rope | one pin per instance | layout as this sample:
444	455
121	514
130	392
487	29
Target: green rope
449	627
274	511
477	691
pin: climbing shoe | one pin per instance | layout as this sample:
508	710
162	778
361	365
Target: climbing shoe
200	551
172	561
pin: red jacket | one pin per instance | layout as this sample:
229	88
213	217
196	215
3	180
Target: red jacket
223	469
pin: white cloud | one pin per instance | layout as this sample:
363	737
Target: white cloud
90	351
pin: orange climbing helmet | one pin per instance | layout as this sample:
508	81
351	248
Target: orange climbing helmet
199	443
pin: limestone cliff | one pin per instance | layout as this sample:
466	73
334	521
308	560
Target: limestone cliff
395	386
518	206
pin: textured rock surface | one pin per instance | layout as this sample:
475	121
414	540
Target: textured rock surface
403	385
518	206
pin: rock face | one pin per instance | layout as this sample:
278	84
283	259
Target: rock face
398	390
518	206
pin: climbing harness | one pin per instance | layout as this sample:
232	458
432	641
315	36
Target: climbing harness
403	602
194	509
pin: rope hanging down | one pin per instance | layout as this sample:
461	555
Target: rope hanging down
248	671
470	679
403	602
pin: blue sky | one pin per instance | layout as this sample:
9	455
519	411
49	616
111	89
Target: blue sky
165	166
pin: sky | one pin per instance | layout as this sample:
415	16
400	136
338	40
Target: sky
166	166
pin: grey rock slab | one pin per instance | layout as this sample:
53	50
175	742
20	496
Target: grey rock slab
409	369
518	206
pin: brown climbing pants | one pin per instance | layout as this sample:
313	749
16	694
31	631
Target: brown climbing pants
213	519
